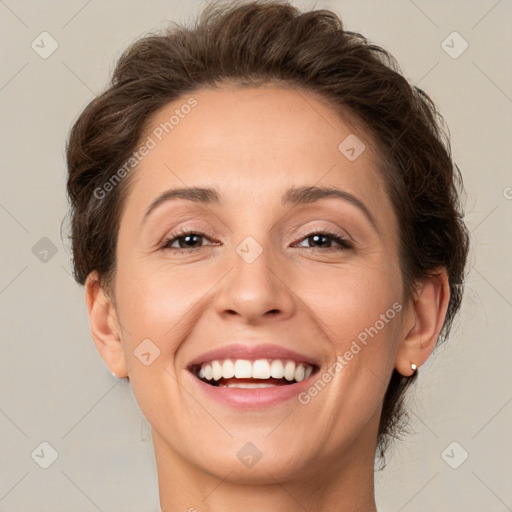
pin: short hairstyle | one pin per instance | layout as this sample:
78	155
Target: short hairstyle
252	43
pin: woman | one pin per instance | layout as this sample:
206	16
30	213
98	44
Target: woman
265	217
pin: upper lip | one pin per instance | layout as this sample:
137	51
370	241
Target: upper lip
252	352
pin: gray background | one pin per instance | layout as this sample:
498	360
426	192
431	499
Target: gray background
54	387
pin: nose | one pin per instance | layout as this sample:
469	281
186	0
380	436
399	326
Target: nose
255	290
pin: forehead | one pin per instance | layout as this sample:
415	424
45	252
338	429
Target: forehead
252	143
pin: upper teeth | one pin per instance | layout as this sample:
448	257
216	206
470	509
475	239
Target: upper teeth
258	369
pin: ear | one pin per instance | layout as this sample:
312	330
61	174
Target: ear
425	319
105	328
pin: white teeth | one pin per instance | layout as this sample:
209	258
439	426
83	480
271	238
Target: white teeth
243	369
208	372
299	373
216	370
258	369
277	369
289	370
228	369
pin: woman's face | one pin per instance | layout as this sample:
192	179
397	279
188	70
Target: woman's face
269	272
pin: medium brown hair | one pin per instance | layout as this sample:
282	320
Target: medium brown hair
257	42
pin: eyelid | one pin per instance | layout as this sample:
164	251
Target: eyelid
203	230
344	241
327	230
182	232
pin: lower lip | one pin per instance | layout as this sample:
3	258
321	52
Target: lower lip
252	398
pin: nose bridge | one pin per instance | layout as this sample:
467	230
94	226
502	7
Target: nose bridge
254	288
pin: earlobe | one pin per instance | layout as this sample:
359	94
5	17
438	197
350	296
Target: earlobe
105	329
428	311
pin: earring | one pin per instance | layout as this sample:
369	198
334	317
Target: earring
413	368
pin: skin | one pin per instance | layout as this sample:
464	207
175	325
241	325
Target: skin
252	144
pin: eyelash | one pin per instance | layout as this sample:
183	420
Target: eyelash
337	237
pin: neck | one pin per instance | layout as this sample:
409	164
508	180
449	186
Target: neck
343	483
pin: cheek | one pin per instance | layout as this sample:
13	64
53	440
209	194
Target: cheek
349	300
162	303
147	309
154	317
362	311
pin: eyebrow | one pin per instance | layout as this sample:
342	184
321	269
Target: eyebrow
293	196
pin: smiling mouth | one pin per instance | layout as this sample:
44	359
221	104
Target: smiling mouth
247	374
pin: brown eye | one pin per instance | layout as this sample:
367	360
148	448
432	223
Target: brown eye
186	240
324	240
